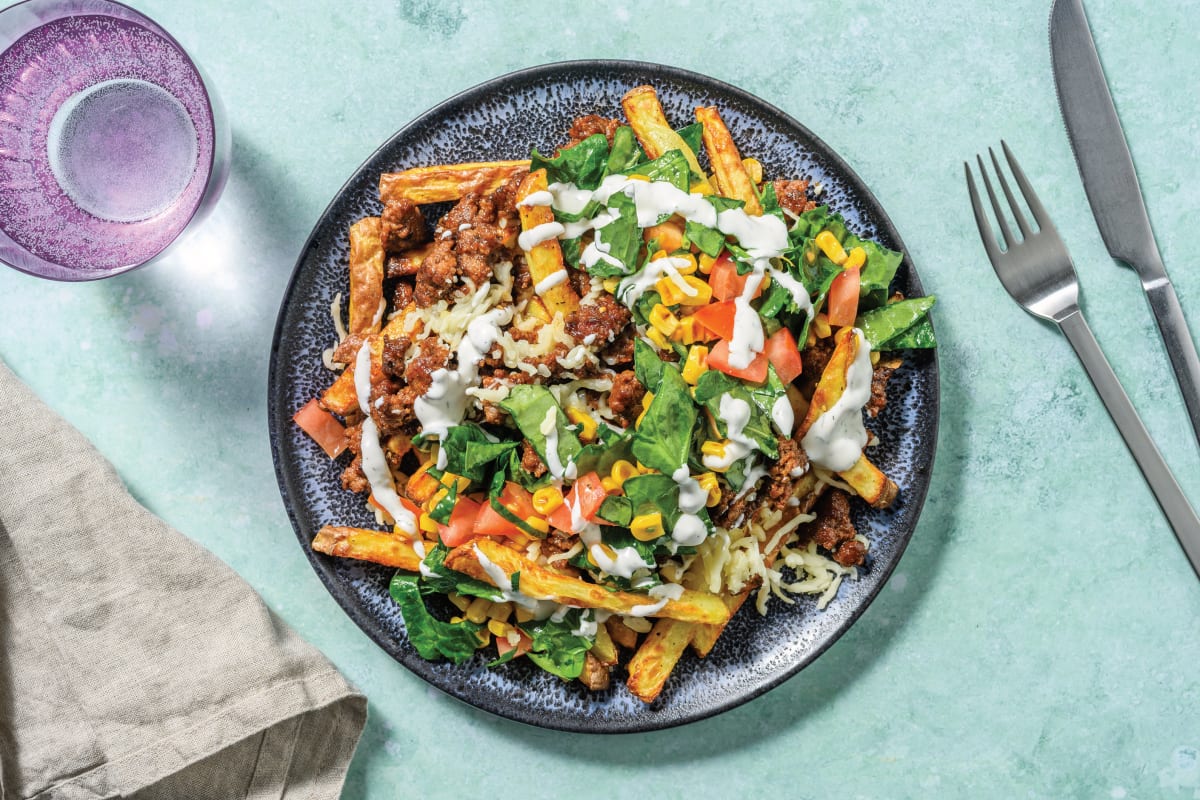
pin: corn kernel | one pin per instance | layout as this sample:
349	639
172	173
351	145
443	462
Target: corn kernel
689	267
523	614
647	399
686	334
831	247
609	553
647	527
856	258
587	425
460	602
499	612
708	482
547	499
753	169
427	523
702	292
820	325
659	254
477	611
611	284
498	628
874	357
670	292
610	485
656	337
663	319
701	187
696	363
622	471
538	524
644	470
455	620
706	263
714	449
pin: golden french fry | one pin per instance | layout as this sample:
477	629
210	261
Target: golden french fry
447	182
621	634
870	484
603	649
732	179
651	665
389	549
544	584
545	259
366	276
655	134
596	673
341	397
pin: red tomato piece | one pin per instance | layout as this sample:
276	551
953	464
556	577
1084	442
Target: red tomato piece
522	647
843	298
756	372
784	357
717	317
462	523
724	279
323	427
491	522
588	494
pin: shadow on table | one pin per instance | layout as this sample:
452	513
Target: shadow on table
786	709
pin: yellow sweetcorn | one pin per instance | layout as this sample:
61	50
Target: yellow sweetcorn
484	636
647	527
820	325
702	292
701	187
523	614
499	612
831	247
499	628
609	484
856	258
714	449
547	499
427	523
611	284
587	425
659	254
706	263
622	471
477	611
708	482
608	552
696	363
656	337
538	524
670	292
686	332
689	267
874	358
460	602
664	320
647	399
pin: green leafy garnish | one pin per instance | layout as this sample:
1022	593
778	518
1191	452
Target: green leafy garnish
529	405
876	275
437	578
556	648
710	240
584	165
625	151
693	136
433	638
664	439
886	328
713	385
470	452
622	237
671	166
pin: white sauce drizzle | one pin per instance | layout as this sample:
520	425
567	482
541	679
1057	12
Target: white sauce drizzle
539	198
837	437
550	281
374	464
539	233
664	592
748	340
549	429
736	414
783	416
540	608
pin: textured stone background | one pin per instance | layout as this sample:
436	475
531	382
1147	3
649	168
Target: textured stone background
1039	638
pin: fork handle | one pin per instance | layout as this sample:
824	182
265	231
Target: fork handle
1166	490
1178	342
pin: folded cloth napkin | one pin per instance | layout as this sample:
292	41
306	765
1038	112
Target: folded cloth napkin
133	663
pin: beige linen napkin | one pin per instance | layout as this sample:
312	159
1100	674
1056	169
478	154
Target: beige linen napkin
132	661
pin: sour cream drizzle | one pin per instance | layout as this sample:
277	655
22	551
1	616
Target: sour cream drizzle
689	529
736	414
550	281
539	233
540	608
665	592
374	464
837	437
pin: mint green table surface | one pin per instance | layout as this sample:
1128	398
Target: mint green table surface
1040	637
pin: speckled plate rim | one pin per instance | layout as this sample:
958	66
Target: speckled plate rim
657	716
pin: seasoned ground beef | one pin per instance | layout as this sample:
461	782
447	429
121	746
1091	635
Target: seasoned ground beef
834	530
394	351
353	477
401	226
402	295
793	195
602	320
781	480
813	359
431	355
437	277
531	461
879	381
583	127
347	350
620	352
625	400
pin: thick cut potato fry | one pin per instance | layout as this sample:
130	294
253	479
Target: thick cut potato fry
596	673
341	397
654	133
603	649
389	549
728	169
545	258
651	665
366	276
864	477
544	584
447	182
621	633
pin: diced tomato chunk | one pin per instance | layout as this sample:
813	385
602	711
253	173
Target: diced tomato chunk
522	647
462	523
516	500
323	427
843	298
784	357
717	317
756	372
724	279
587	494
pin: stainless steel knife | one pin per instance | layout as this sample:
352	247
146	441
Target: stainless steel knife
1112	185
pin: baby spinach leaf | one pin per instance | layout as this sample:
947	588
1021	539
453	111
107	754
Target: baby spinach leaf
529	405
617	510
713	385
876	275
583	165
693	136
881	326
918	337
556	648
443	580
710	240
625	151
671	166
431	637
622	237
663	440
472	454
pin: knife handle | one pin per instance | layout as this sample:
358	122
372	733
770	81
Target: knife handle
1178	341
1158	475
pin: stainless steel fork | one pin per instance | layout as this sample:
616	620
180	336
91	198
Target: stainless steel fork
1037	271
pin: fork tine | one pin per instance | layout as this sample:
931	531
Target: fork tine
987	184
981	220
1031	198
1012	201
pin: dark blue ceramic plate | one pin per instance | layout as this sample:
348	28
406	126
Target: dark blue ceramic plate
503	119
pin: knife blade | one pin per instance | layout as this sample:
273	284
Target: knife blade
1112	187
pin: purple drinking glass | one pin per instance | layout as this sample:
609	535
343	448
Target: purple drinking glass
112	144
